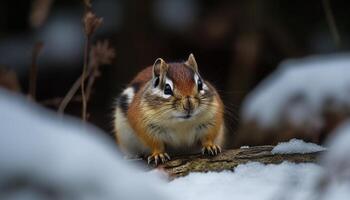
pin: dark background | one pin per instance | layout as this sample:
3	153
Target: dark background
236	43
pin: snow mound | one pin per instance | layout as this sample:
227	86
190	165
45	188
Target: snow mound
337	159
296	146
45	157
334	180
298	90
250	181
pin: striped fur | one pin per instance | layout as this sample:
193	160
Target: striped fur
148	121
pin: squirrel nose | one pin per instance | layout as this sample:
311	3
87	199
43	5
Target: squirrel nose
188	105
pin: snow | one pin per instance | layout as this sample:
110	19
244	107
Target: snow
290	181
334	181
296	146
337	159
251	181
298	90
46	157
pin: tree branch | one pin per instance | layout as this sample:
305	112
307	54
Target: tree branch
34	70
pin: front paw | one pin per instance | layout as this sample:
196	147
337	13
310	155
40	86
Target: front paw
211	150
158	158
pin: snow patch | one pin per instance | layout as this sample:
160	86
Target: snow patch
296	146
45	157
250	181
298	90
337	159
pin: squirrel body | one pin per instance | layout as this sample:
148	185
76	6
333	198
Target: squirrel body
169	108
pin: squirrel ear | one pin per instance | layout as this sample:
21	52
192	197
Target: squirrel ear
160	67
192	63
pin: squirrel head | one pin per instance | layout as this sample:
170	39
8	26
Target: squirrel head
177	90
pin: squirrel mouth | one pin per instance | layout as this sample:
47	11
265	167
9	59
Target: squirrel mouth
185	116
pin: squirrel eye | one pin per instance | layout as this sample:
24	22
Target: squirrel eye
167	90
200	85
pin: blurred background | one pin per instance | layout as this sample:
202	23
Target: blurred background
236	44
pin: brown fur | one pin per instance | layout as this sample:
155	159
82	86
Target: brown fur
182	77
135	116
148	112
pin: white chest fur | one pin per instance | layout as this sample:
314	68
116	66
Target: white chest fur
181	135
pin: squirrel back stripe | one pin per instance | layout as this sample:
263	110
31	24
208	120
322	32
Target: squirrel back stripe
126	97
122	103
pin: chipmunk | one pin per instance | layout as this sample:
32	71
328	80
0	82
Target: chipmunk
168	107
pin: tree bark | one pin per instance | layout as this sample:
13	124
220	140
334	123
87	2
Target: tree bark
229	159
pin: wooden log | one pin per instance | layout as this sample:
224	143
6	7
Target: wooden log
229	159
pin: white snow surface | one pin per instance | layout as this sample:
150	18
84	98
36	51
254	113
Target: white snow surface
45	157
334	182
296	146
297	91
251	181
290	181
337	160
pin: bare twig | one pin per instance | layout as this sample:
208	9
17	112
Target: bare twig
72	91
100	54
91	23
33	70
94	57
96	72
331	22
82	84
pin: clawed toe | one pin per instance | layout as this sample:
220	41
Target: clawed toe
158	158
211	150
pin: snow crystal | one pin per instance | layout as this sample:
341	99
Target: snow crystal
296	146
298	90
45	157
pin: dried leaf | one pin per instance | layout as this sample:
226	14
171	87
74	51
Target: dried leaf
91	23
101	54
87	4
